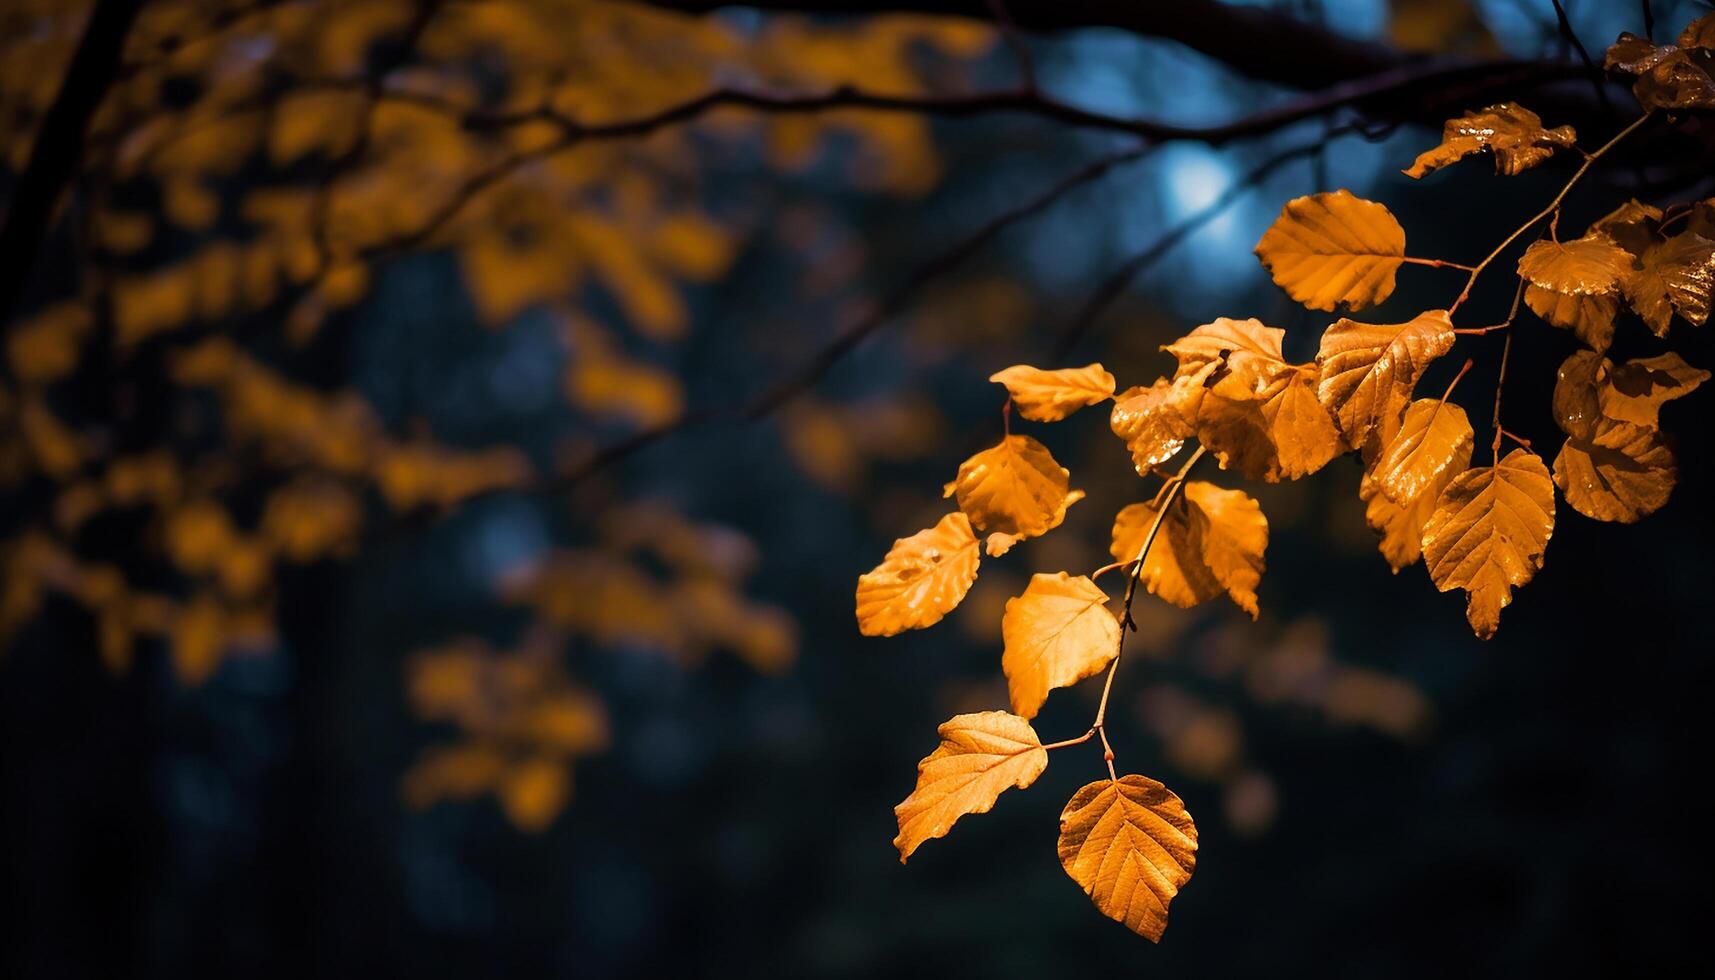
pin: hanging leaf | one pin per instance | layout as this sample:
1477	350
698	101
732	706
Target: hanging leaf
922	578
1513	133
1334	250
1056	634
1049	396
1401	524
999	543
981	756
1488	534
1625	472
1434	438
1154	422
1635	390
1676	275
1577	402
1211	543
1131	846
1260	416
1588	266
1015	488
1590	388
1368	370
1590	318
1668	76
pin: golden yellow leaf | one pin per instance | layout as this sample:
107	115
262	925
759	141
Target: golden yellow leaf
922	578
1590	318
1211	543
1014	488
1434	438
1635	390
1488	533
1333	249
1154	422
981	755
1242	347
1676	275
1368	370
999	543
1056	634
1588	266
1049	396
1131	846
1401	525
1512	132
1621	474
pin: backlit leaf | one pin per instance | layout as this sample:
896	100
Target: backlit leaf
1488	534
1049	396
1056	634
999	543
1514	134
922	578
1668	76
1015	488
1368	370
1334	250
981	755
1211	543
1434	438
1401	525
1590	318
1243	347
1588	266
1625	472
1676	275
1131	846
1155	421
1636	389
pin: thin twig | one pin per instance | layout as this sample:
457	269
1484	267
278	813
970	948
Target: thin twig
1500	383
1552	208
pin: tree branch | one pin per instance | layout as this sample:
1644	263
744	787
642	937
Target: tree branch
58	151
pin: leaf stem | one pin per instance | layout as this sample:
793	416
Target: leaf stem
1552	208
1080	740
1500	383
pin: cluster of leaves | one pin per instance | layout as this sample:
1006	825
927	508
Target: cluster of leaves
1127	841
175	431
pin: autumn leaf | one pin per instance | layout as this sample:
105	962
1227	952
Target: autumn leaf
1131	846
1622	473
1591	388
1211	543
1513	133
1434	437
1676	275
1049	396
1015	488
1636	389
922	578
1488	533
1590	318
1260	415
1334	250
1401	524
1368	370
1154	422
999	542
981	755
1588	266
1056	634
1669	76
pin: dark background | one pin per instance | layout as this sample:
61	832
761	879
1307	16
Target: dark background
1552	819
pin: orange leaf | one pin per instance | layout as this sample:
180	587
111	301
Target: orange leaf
1488	533
1211	543
1131	846
1056	634
1368	370
1049	396
922	578
1590	318
1434	438
1621	474
1016	487
981	756
1588	266
1512	132
1332	250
